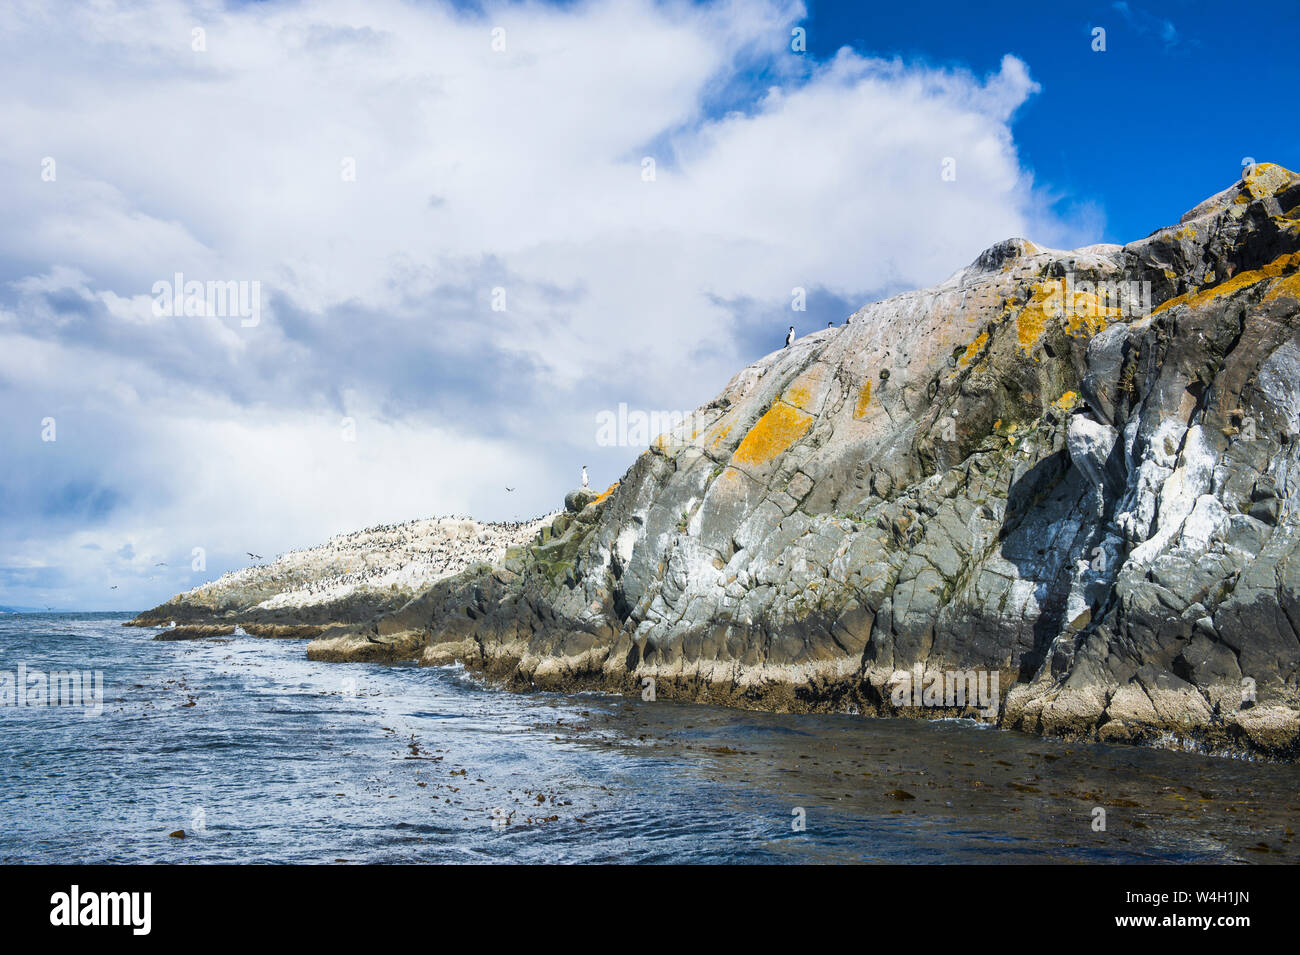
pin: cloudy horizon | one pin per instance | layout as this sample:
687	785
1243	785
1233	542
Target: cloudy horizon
467	233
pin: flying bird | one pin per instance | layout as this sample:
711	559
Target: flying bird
509	489
789	338
252	555
114	587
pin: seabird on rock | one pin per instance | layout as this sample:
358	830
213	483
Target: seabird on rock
584	475
789	338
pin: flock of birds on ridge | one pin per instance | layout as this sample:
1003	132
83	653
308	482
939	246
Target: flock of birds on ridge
377	555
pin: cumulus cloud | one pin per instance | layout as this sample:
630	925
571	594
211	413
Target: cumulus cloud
483	175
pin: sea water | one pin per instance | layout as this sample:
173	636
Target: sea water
257	754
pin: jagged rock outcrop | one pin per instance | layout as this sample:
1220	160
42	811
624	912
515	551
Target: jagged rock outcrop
1075	472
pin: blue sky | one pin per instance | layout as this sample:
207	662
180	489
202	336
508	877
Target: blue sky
1181	94
474	228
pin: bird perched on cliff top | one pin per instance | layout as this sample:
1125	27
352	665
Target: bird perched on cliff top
789	338
584	475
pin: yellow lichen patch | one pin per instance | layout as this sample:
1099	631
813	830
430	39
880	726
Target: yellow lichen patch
973	349
1288	285
806	389
1279	267
798	395
1086	315
608	492
1186	232
1264	180
772	434
1066	401
864	399
1032	320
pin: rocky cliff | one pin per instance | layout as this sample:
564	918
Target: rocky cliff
1072	475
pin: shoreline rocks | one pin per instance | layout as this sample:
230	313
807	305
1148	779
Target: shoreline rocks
1074	471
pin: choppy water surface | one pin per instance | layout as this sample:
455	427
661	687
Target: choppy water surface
263	756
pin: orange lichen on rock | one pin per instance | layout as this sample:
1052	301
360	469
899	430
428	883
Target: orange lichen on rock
1083	310
1278	268
1087	314
1264	180
973	349
807	389
772	434
864	399
1032	320
1288	285
1067	400
608	492
798	395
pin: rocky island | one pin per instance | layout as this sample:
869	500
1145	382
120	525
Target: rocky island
349	579
1070	474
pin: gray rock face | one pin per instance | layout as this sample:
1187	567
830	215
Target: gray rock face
575	501
1090	444
1072	475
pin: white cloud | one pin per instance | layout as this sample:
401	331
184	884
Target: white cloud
474	169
